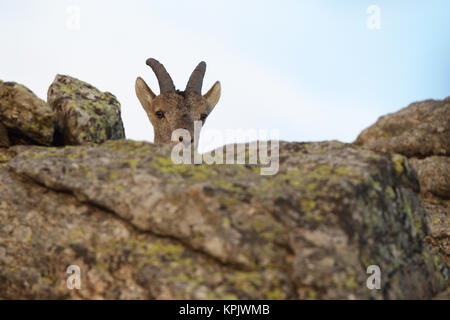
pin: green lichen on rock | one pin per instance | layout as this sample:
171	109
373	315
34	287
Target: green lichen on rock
197	173
399	162
4	156
224	231
419	132
84	113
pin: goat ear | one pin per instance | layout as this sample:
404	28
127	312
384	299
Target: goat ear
144	94
213	96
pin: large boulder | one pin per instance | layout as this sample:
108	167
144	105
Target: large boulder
26	118
141	227
420	130
84	113
422	133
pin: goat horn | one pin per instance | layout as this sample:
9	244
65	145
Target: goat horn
195	82
164	79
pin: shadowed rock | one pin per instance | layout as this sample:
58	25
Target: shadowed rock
28	119
4	138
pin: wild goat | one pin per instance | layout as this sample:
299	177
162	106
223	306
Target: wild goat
174	109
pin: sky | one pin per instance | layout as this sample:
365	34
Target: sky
313	70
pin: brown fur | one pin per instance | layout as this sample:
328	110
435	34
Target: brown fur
179	109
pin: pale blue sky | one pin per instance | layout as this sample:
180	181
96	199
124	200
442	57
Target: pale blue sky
311	69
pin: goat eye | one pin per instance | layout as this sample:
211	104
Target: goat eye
159	114
203	116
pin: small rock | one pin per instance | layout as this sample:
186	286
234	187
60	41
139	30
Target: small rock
84	113
28	118
434	175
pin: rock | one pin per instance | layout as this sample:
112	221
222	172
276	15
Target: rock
28	119
439	212
434	175
141	227
422	133
422	129
77	113
443	296
85	114
4	138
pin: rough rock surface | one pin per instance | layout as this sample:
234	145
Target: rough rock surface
142	227
434	175
4	138
422	133
420	130
85	114
27	118
439	212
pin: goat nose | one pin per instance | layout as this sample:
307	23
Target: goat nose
185	141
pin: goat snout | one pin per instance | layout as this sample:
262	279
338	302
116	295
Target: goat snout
184	140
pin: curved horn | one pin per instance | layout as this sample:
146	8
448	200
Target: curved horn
196	80
164	79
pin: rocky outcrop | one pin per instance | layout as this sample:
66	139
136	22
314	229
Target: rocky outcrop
28	119
421	132
84	113
76	113
141	227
